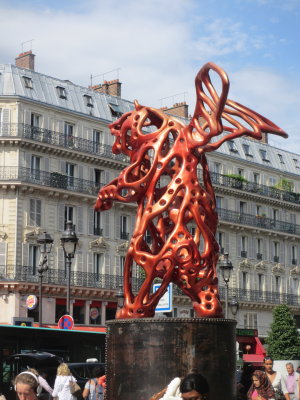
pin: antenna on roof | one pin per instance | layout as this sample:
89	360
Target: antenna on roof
105	73
27	41
173	97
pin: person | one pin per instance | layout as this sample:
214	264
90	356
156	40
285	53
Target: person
193	387
26	386
261	388
62	383
292	382
92	389
43	383
275	378
245	381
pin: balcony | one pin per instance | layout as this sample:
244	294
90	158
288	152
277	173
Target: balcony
252	187
257	221
276	259
294	261
244	254
259	256
98	231
50	179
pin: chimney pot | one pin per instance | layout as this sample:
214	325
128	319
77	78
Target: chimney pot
25	60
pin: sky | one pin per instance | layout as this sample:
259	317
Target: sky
157	47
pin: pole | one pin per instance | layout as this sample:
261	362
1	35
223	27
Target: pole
226	299
40	300
69	263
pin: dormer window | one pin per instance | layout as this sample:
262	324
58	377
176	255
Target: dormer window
115	110
61	91
88	100
28	82
232	146
281	158
296	162
264	155
247	150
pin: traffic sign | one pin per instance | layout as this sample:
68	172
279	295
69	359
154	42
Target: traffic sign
165	304
66	322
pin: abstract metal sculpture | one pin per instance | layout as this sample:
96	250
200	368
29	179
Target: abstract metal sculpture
163	180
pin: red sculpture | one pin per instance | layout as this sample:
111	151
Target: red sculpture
163	180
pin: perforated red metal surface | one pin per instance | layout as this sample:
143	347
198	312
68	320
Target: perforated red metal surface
176	215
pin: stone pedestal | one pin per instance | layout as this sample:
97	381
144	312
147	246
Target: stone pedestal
144	355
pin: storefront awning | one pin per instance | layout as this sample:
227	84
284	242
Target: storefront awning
256	359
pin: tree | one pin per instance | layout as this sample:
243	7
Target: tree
283	340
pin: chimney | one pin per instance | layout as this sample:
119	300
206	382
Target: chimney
113	88
25	60
178	110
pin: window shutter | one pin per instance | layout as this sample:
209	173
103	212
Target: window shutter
238	245
3	246
91	175
63	166
90	221
27	160
60	126
282	252
31	211
106	224
117	225
5	121
90	262
38	212
107	177
80	171
46	164
117	262
61	217
79	264
107	264
27	117
226	244
251	247
60	259
80	220
25	254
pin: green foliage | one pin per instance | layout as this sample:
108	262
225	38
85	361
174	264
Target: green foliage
284	184
237	177
283	340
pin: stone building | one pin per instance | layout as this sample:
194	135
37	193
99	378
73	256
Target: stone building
55	155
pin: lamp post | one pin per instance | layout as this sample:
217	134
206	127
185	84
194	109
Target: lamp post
226	268
45	242
234	306
69	242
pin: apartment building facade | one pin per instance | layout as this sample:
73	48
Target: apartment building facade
56	154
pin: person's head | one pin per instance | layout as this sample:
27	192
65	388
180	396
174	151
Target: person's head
98	371
63	369
290	368
268	364
194	387
259	378
26	386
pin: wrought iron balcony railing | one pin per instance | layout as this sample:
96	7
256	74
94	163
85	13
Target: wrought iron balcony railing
258	221
51	179
106	281
59	139
124	235
252	187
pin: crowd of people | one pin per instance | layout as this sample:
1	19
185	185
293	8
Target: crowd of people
268	384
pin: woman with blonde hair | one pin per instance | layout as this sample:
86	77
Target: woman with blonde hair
62	388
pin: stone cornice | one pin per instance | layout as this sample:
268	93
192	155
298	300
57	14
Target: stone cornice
122	247
99	245
261	266
245	264
278	269
295	271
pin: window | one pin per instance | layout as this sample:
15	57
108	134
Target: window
240	172
68	131
97	223
97	264
88	100
250	321
259	249
115	110
256	177
243	206
98	176
264	155
70	168
295	286
244	240
272	181
232	146
276	248
35	167
219	201
275	214
260	281
294	255
122	264
296	162
220	240
35	212
217	167
96	140
258	209
123	223
61	91
247	150
27	82
33	258
244	280
69	213
281	160
277	284
35	120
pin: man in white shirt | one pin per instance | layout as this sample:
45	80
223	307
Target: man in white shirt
292	382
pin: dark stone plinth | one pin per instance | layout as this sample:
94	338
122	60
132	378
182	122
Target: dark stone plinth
144	355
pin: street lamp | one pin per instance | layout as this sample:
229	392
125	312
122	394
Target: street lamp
226	268
45	242
120	297
234	305
69	242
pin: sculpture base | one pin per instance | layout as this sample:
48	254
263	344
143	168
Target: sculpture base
144	355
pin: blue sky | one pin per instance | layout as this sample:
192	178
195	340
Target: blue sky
160	45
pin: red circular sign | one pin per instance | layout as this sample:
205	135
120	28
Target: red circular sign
94	313
31	302
66	322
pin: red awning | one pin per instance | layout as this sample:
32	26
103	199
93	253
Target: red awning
254	358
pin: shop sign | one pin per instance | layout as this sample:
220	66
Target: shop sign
94	313
31	302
